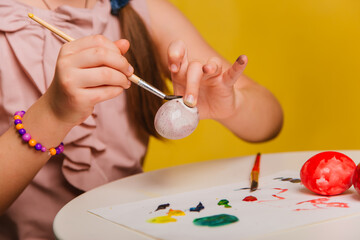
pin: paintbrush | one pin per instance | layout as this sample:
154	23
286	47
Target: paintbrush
254	177
133	78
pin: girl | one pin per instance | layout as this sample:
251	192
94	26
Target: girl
78	93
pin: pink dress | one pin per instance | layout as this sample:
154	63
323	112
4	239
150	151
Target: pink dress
96	152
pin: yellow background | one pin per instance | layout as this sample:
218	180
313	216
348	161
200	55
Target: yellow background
306	52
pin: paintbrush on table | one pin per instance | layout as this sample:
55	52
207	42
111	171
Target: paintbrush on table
254	177
133	78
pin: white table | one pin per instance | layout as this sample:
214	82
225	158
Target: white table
74	221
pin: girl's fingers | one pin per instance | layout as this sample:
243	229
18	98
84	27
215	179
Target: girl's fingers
100	76
177	57
100	94
88	42
212	68
193	76
96	57
235	71
123	45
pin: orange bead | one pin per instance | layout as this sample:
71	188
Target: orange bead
32	142
52	151
19	126
17	117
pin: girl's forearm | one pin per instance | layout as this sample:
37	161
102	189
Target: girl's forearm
259	116
19	163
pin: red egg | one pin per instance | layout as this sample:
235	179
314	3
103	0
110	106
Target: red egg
356	178
328	173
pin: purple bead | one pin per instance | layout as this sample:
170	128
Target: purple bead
17	121
22	131
26	137
60	147
20	113
43	149
38	146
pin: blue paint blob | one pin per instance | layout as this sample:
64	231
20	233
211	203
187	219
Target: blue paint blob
162	206
198	208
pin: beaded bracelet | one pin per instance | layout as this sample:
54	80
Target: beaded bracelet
32	142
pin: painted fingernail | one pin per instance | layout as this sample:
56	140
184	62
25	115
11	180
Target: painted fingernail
240	60
131	69
189	101
173	68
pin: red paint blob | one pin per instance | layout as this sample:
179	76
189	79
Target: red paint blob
356	178
328	173
250	199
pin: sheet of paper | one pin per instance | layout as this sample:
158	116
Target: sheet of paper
282	203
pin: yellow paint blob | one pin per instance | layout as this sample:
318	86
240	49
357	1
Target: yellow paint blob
176	213
168	218
162	219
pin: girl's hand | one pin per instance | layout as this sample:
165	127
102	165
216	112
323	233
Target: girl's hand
88	71
206	85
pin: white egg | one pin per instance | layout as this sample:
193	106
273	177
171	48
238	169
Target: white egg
175	120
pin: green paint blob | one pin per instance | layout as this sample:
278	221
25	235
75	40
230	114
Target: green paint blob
224	202
215	220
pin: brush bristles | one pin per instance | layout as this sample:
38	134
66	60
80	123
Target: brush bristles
171	97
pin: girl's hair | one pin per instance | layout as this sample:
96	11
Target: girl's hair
143	56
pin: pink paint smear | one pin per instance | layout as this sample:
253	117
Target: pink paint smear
322	203
281	190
